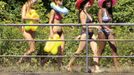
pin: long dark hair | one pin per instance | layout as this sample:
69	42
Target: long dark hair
83	4
109	9
82	7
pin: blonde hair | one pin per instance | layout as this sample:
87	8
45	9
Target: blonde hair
28	5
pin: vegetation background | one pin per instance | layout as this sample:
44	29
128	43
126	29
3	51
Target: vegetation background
10	13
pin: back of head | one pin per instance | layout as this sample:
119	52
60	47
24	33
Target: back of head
83	4
29	4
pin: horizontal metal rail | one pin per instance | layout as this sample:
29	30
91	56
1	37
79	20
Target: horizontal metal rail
33	56
44	40
87	56
72	24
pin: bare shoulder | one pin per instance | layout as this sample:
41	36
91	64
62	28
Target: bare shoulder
52	11
24	6
101	9
82	13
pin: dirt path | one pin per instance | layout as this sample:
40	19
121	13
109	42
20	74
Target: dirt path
66	73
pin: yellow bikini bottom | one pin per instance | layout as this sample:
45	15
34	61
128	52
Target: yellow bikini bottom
32	28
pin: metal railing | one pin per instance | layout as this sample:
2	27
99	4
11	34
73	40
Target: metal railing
87	40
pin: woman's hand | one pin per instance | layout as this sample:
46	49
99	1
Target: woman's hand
108	29
99	27
78	37
35	19
22	29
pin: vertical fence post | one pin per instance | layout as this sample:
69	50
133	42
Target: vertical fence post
87	52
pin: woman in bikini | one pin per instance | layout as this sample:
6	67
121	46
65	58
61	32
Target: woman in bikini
29	16
85	17
105	15
55	18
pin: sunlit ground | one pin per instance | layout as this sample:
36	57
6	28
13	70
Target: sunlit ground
28	69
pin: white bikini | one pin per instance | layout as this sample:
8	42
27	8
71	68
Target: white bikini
105	19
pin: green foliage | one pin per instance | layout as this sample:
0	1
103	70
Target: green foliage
10	13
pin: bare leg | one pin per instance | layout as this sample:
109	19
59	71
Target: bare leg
114	49
79	50
59	59
94	48
61	51
101	46
44	60
28	36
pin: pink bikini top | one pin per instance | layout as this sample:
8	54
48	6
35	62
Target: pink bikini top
58	16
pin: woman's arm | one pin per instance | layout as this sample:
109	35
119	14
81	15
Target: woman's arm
83	20
51	19
35	19
23	12
100	18
91	19
88	16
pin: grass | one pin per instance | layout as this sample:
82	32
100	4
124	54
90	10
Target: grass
49	67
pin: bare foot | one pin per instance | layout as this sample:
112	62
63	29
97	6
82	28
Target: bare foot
18	62
78	37
68	68
97	71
